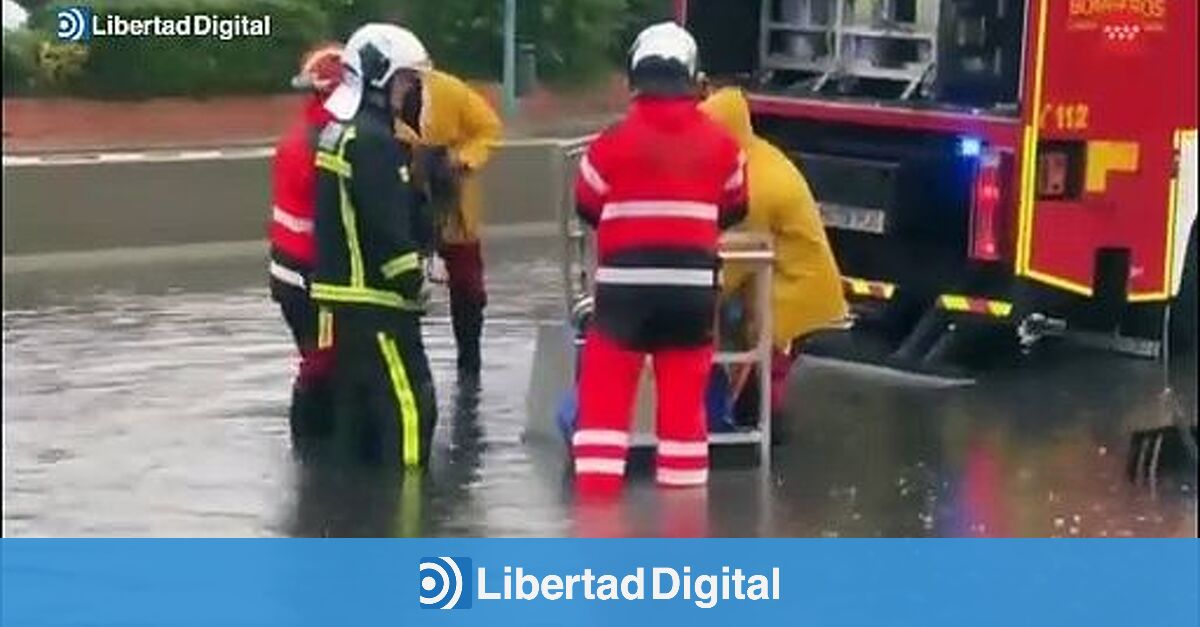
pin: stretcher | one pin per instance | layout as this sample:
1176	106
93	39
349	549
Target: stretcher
558	343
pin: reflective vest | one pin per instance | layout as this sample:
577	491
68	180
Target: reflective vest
293	189
659	187
363	255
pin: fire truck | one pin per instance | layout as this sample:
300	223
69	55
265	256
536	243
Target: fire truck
1024	162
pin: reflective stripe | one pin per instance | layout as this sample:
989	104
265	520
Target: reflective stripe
349	221
291	221
324	328
410	504
675	476
406	403
599	466
968	304
334	163
660	209
404	263
362	295
873	289
601	437
287	275
656	276
676	448
738	178
592	177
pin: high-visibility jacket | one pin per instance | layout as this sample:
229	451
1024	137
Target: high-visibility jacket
455	116
293	196
368	216
806	291
659	187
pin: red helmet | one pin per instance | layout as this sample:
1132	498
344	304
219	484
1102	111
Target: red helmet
320	69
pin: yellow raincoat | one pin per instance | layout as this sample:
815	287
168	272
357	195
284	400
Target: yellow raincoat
456	116
807	288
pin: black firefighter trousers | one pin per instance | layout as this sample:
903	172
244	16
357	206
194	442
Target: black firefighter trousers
385	407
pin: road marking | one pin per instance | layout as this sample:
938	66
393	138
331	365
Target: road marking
228	154
883	373
201	251
149	156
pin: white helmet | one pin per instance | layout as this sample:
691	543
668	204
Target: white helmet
667	40
373	54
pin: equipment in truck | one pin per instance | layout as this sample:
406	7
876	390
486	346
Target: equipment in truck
1017	169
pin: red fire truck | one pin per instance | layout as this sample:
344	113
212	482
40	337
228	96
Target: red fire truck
1025	161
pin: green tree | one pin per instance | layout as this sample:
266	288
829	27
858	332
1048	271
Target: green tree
577	41
124	67
640	14
573	37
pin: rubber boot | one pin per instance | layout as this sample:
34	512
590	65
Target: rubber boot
467	319
746	407
310	418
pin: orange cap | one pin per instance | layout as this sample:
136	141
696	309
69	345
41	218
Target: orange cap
320	69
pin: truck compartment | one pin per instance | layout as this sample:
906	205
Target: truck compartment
942	53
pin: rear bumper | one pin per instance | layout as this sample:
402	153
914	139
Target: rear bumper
875	293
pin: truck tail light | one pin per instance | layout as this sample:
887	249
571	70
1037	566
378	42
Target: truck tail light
990	209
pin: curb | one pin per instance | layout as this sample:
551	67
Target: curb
231	153
208	251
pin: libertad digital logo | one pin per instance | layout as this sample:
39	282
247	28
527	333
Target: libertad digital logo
443	583
447	583
75	24
81	23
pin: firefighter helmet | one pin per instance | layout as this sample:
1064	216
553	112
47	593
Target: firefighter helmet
667	41
373	55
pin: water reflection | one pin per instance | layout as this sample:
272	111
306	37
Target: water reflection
155	404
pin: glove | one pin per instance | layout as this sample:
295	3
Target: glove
439	170
581	314
426	295
410	285
435	270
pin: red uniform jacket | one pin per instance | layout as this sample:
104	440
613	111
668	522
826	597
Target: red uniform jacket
294	185
659	187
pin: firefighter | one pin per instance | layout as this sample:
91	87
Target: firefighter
658	187
806	291
293	251
455	128
369	273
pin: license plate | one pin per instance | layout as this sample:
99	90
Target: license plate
854	218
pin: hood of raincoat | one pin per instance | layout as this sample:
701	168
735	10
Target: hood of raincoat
729	108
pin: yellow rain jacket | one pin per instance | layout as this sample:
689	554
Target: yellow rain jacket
456	116
807	288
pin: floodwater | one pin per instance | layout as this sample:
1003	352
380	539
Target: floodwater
152	401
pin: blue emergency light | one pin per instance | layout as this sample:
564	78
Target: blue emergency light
970	146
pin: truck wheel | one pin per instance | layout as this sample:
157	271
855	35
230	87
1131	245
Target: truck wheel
1183	310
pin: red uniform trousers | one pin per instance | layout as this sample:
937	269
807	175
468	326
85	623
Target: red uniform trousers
607	388
658	187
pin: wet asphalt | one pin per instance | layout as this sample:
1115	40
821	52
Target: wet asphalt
151	400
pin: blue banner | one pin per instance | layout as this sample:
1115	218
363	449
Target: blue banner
167	583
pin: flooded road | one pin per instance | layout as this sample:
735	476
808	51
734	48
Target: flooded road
152	401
